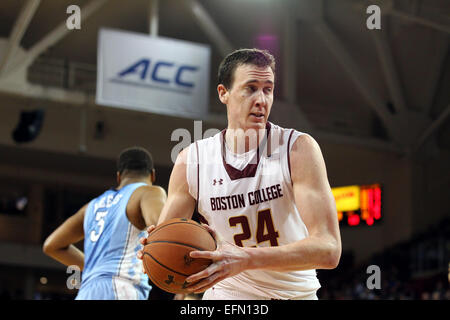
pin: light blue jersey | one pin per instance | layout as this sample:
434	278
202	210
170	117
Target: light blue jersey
111	269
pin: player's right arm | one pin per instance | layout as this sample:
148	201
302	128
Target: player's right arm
59	245
180	203
151	204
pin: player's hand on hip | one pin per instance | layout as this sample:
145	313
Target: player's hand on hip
228	260
143	241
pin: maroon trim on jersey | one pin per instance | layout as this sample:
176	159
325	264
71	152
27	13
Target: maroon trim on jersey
202	219
197	214
289	153
250	170
198	173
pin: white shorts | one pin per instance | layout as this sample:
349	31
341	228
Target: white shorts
220	293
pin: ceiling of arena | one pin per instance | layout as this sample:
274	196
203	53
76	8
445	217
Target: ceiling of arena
344	80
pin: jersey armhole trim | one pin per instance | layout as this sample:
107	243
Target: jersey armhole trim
202	219
86	216
289	154
198	174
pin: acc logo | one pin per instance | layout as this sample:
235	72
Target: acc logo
159	73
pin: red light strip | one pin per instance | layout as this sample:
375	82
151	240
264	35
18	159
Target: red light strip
370	207
377	206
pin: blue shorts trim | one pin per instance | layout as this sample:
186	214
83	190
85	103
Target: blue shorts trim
106	288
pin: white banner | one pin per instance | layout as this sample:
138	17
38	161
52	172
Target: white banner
160	75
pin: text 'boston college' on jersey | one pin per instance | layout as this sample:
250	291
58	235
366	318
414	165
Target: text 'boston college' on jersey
248	199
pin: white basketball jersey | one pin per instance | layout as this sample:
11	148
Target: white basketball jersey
248	199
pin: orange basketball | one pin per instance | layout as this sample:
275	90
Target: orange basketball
166	254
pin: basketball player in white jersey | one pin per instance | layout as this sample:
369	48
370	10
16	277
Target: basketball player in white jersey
111	226
263	191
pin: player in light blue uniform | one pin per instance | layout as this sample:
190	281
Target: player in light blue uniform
110	243
111	226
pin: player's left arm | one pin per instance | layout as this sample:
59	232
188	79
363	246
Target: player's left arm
321	249
59	244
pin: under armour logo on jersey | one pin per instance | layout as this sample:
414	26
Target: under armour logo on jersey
220	181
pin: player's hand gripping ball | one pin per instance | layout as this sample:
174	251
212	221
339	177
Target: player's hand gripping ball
166	255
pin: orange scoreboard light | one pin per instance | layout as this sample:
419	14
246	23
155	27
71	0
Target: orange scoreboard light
358	205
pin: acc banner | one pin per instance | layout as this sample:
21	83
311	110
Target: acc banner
150	74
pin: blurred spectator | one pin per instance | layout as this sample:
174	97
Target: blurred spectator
447	295
425	296
439	292
418	269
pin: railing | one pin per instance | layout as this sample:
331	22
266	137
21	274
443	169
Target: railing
431	253
76	76
65	74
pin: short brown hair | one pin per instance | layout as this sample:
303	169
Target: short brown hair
257	57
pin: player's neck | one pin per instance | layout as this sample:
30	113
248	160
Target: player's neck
241	141
129	180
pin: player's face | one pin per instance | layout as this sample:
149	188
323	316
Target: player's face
250	98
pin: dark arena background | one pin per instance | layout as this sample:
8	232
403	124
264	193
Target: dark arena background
369	80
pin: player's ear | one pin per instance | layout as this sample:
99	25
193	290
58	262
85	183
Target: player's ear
223	93
118	178
153	176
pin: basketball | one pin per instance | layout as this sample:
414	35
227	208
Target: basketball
166	254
